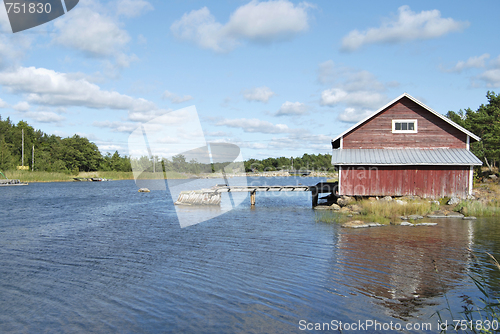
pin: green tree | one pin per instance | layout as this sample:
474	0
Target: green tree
6	159
485	123
79	153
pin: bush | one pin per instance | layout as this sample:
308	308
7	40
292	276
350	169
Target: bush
477	208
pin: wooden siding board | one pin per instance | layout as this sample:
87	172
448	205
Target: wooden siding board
424	181
432	132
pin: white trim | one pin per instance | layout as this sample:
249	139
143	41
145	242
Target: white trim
471	179
447	120
468	143
341	142
340	178
414	121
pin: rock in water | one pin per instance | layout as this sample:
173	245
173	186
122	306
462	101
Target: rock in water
360	224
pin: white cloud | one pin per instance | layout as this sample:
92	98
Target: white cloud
45	116
3	104
408	26
255	125
268	20
472	62
146	116
292	108
357	91
101	38
491	77
21	106
298	141
48	87
132	8
174	98
352	115
252	145
200	27
256	21
362	98
89	136
261	94
350	79
490	70
116	126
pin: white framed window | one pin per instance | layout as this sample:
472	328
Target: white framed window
404	126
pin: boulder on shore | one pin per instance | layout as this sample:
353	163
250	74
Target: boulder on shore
335	207
360	224
344	200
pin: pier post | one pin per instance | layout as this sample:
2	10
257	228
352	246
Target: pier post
315	195
252	198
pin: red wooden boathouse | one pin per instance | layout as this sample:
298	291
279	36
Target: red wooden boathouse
405	148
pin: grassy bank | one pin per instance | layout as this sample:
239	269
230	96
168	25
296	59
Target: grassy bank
38	176
479	209
379	211
485	204
112	175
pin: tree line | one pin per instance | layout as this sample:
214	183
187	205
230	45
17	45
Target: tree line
485	123
53	153
319	162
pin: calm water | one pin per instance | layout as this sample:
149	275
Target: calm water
103	258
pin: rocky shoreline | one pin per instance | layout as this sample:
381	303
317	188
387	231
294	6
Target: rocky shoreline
358	208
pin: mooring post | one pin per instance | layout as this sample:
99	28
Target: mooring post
314	193
252	198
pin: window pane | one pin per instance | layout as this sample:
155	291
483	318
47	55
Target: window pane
411	126
397	126
404	126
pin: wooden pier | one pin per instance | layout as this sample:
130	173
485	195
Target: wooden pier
212	196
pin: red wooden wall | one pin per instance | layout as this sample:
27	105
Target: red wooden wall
423	181
433	132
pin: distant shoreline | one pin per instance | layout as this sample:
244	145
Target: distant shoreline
45	177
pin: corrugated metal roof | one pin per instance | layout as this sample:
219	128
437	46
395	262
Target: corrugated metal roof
450	156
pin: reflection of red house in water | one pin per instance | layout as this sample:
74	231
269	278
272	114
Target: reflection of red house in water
404	268
405	148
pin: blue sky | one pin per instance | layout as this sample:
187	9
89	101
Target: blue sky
277	78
